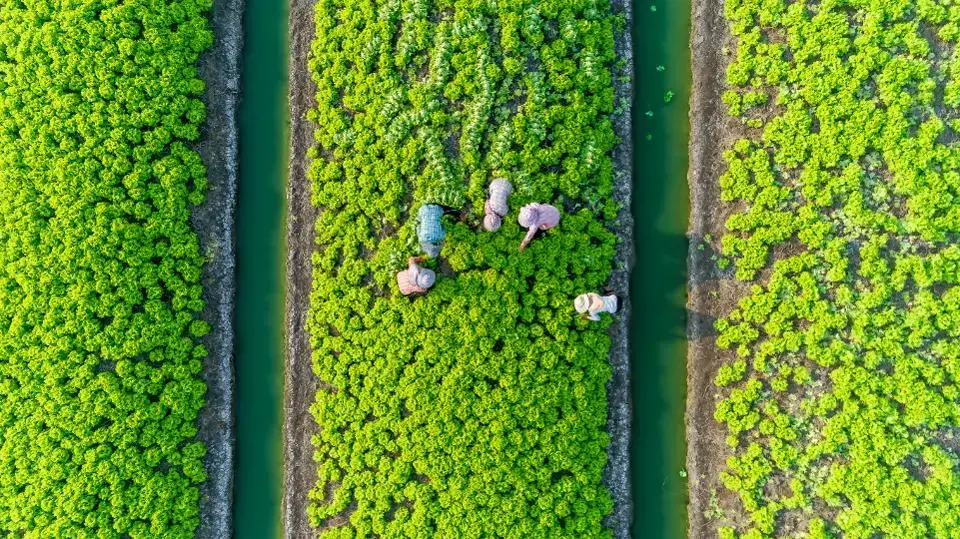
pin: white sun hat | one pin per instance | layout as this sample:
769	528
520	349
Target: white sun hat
582	303
426	278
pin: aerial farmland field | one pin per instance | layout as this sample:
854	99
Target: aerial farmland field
115	333
479	268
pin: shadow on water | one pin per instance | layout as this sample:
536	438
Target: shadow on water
663	258
658	287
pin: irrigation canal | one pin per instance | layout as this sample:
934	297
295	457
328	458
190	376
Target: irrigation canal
658	347
260	277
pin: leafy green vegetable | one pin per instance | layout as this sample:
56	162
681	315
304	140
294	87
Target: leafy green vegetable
100	291
841	395
479	408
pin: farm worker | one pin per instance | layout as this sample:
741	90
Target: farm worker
536	217
495	207
430	230
415	279
594	304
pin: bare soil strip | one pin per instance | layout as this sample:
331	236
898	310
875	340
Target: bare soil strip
711	293
616	476
219	67
300	384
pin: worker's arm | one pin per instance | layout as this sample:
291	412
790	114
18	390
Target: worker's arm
529	236
412	268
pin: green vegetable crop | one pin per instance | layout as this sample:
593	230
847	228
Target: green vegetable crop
99	268
842	395
479	408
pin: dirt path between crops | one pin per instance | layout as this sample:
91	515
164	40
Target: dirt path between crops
616	476
219	67
300	385
711	293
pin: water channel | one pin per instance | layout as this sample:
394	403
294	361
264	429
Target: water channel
260	276
658	347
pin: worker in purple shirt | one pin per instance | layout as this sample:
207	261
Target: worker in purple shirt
536	217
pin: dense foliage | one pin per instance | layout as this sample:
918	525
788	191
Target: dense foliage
479	408
842	398
99	288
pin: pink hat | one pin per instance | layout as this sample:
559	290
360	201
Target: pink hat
491	222
528	216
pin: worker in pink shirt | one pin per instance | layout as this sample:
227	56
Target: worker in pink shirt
415	279
536	217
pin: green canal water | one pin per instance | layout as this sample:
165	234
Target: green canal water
658	289
260	276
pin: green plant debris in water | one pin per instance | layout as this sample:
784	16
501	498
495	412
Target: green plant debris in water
478	409
841	399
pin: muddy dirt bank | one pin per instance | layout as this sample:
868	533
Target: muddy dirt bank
711	293
616	476
219	67
300	385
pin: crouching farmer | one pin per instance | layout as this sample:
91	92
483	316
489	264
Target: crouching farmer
430	230
495	208
536	217
594	304
415	279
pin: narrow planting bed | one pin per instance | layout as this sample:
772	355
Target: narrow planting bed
480	407
102	300
825	179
